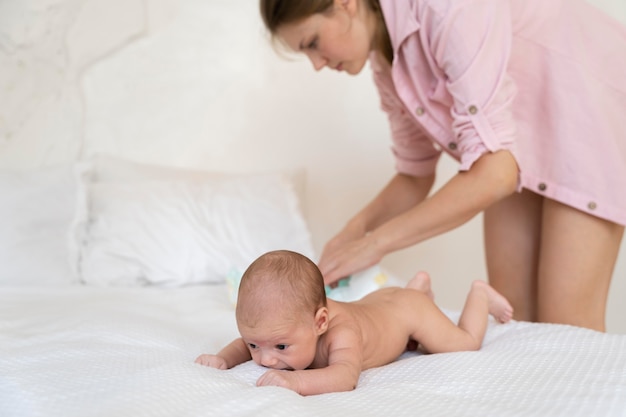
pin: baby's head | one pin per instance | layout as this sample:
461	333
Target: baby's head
282	310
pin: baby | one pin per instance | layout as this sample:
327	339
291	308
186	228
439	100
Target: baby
316	345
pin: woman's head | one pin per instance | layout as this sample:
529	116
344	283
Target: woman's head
276	13
339	34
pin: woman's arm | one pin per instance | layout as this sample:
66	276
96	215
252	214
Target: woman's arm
401	193
492	177
398	196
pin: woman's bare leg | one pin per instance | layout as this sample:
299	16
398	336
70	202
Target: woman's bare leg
512	230
578	254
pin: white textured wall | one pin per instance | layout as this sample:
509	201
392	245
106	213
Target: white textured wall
195	83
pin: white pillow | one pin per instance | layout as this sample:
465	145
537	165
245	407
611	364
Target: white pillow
108	168
36	208
178	232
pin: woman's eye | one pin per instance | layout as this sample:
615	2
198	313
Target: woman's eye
313	44
281	347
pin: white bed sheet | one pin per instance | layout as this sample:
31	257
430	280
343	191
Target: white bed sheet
83	351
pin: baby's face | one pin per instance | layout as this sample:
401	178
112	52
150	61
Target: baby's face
280	343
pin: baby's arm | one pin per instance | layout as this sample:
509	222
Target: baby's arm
342	373
233	354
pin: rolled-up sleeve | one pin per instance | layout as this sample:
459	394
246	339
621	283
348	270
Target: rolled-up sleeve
471	43
413	150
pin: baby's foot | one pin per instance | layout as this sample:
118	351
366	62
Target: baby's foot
421	282
499	306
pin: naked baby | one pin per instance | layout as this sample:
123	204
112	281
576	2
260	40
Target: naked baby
316	345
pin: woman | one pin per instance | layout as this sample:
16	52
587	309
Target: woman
528	95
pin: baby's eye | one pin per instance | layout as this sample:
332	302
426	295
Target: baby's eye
252	345
281	347
313	44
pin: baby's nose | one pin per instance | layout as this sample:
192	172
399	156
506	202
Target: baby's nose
268	360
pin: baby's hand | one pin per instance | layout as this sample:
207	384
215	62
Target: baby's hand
213	361
279	378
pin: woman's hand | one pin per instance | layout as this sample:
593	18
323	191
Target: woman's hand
353	249
350	233
343	258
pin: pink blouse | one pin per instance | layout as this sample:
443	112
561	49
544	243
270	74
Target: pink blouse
545	79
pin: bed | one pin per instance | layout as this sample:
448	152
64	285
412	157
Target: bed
116	275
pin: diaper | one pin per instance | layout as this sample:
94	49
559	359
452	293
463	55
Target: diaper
358	285
233	278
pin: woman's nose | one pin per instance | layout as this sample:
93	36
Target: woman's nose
318	61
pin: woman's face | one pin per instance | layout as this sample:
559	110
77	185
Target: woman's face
340	40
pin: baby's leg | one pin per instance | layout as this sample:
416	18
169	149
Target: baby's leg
498	306
421	282
481	301
437	333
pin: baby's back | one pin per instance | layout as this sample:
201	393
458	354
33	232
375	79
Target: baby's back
386	319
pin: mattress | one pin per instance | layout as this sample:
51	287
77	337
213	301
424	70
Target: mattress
87	351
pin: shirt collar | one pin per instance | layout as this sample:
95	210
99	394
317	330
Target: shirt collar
401	20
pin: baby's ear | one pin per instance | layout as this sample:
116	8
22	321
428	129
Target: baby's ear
322	319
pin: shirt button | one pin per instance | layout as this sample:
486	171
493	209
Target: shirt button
472	109
452	146
542	186
592	205
419	111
